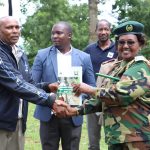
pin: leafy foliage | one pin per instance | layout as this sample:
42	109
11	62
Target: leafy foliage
37	29
138	10
122	7
1	3
146	50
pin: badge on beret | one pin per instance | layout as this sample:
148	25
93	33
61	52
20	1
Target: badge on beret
129	28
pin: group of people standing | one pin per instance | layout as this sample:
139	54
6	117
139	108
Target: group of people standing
123	104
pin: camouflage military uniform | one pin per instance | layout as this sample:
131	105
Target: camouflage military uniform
105	68
127	103
130	146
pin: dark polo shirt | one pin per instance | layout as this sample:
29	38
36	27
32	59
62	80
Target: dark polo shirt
98	56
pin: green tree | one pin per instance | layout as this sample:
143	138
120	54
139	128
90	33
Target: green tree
36	30
138	10
1	4
93	11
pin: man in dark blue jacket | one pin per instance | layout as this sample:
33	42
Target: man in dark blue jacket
16	86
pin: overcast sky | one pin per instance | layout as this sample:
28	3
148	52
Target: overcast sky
16	9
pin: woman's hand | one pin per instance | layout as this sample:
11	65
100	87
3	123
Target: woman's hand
83	88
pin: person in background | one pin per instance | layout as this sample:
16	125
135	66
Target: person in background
16	88
126	99
102	50
48	62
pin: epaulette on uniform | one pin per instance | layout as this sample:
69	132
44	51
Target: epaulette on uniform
142	58
139	58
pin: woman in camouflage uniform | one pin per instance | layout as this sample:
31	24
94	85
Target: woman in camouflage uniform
126	103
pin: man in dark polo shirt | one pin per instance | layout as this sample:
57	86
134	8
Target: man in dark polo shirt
102	50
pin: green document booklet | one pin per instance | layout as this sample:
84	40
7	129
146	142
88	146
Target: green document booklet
65	90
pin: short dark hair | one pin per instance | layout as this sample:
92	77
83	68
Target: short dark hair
141	38
109	24
68	26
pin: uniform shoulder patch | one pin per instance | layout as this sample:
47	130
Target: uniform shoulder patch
142	58
139	58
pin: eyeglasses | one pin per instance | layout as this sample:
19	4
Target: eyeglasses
129	43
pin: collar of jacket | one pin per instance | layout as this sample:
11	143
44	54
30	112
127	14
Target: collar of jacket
5	46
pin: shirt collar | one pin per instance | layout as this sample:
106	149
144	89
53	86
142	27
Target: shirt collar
68	53
111	45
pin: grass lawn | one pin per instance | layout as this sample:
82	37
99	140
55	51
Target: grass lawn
32	141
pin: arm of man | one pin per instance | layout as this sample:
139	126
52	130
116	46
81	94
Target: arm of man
88	75
12	80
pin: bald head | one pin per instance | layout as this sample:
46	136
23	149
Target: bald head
9	30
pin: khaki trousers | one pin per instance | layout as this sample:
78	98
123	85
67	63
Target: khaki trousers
12	140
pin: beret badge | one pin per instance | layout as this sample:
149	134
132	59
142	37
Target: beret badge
129	28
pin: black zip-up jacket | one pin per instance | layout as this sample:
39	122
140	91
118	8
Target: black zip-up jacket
16	82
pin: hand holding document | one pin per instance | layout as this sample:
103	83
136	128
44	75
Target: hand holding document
65	89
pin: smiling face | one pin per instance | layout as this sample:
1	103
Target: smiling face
9	30
128	46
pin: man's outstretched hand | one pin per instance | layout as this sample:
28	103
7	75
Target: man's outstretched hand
60	108
53	87
63	110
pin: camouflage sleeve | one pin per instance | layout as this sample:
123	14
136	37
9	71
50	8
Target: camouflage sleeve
90	106
134	83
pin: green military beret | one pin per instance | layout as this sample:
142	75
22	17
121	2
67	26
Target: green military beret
129	27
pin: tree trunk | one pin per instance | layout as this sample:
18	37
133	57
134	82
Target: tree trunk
10	7
93	11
